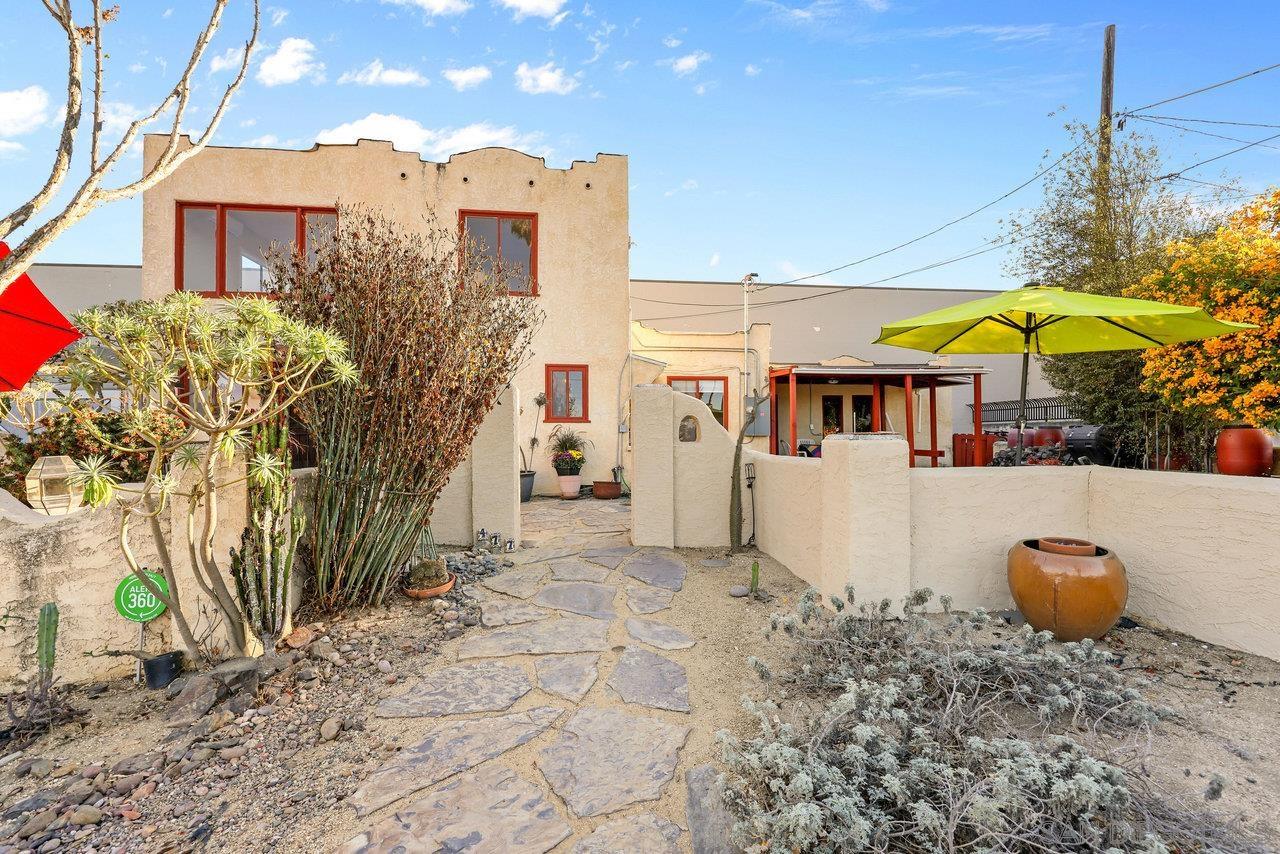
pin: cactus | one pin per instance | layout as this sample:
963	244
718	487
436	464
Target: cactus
264	562
755	578
46	641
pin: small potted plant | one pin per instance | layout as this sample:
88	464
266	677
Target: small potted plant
567	458
428	578
527	474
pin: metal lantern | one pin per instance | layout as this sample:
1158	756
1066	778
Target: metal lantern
495	541
49	487
511	545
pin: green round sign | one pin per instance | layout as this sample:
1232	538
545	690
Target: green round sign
135	602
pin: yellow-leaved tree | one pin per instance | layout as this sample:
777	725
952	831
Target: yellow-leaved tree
1234	273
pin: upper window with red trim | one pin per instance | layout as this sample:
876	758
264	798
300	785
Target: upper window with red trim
567	393
512	239
222	248
710	390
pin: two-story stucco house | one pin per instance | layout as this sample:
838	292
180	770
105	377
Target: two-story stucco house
206	227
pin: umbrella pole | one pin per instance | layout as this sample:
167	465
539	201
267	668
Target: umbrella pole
1022	400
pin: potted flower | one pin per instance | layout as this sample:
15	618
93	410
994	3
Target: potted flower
567	458
527	474
428	578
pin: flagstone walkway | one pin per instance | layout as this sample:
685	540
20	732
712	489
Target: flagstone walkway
574	659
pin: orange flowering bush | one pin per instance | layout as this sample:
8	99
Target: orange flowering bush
1234	273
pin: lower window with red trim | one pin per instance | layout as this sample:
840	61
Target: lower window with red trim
568	394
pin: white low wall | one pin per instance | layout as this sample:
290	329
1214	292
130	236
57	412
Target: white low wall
1201	550
75	560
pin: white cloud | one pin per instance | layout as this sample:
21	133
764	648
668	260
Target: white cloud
688	64
434	7
277	14
703	88
10	149
534	8
291	62
137	68
463	79
688	185
623	66
751	70
23	110
544	79
229	58
876	5
409	135
267	140
715	260
117	116
168	13
671	42
377	74
999	33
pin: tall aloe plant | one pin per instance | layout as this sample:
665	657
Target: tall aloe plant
263	565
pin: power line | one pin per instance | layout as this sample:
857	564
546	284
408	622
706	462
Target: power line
1202	89
990	246
1201	132
1200	121
972	213
1178	173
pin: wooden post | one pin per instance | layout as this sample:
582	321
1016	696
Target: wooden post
907	394
933	421
791	383
979	444
877	406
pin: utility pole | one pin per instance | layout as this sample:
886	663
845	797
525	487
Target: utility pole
748	281
1102	178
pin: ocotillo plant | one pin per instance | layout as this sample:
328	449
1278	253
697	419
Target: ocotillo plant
264	563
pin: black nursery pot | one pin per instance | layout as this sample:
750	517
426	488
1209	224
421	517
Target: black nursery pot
162	669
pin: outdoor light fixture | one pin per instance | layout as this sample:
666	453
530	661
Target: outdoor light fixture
751	474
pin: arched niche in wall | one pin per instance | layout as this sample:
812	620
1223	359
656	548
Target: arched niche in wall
690	430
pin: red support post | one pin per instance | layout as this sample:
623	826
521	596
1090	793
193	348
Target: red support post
773	414
933	421
979	446
791	383
907	394
877	406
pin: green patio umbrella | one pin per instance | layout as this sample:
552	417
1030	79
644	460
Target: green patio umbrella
1041	319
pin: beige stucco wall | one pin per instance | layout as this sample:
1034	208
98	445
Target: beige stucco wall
1200	549
963	521
653	480
704	472
583	243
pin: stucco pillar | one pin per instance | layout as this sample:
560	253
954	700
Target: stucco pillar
653	457
866	516
495	469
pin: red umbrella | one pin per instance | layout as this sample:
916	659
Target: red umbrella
31	330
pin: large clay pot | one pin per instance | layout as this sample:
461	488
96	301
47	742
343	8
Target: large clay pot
1244	451
1028	437
1070	587
1050	435
570	485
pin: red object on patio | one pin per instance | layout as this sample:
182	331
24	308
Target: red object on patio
31	330
962	449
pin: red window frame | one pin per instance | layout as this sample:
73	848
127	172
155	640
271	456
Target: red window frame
533	246
549	417
220	239
724	412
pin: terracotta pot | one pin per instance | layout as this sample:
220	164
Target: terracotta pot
1070	587
1049	435
606	490
1028	437
570	484
431	592
1244	451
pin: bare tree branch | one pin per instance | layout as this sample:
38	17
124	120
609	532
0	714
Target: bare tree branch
91	193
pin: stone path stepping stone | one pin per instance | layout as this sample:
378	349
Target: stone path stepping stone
495	612
541	553
611	557
606	759
569	676
646	832
573	569
658	634
648	600
710	822
579	597
658	569
647	679
482	686
453	747
489	810
546	637
521	583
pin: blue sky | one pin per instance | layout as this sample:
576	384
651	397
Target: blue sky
766	137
